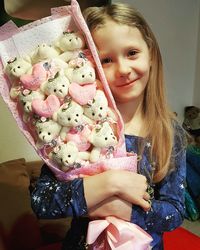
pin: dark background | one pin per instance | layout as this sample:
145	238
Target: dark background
4	17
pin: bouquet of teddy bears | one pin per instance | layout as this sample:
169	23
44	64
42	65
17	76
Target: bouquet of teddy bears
53	83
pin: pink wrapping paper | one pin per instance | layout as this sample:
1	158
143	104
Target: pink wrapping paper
116	234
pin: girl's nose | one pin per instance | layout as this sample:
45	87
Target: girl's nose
123	68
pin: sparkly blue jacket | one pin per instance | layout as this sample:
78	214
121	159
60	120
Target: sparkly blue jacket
55	199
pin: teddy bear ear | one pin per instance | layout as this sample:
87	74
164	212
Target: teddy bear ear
68	73
105	127
27	58
72	144
57	44
43	86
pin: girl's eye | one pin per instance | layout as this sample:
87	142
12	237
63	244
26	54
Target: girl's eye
106	60
132	52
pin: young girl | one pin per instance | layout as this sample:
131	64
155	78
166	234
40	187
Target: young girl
132	63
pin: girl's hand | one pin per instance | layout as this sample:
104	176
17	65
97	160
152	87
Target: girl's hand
127	185
131	187
112	206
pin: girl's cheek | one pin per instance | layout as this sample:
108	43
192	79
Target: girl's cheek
108	74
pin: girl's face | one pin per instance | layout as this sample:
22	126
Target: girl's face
125	59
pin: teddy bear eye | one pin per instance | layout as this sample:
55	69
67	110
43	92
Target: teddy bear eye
69	119
106	138
24	103
77	114
101	108
70	40
40	132
69	156
93	114
54	90
83	76
63	85
18	67
49	133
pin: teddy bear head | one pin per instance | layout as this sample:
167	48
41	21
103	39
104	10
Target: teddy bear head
97	109
69	114
58	85
27	96
47	130
18	67
81	74
66	155
102	136
44	52
70	41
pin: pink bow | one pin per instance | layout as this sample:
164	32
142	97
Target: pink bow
120	235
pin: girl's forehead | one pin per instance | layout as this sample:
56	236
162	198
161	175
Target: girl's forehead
113	35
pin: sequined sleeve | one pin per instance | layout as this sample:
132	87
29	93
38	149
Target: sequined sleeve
168	207
55	199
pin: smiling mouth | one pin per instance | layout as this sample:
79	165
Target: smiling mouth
128	84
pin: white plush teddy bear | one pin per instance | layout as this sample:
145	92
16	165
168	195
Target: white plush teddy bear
81	74
44	52
47	131
15	69
70	43
18	67
68	156
98	109
83	82
103	140
26	98
58	85
70	115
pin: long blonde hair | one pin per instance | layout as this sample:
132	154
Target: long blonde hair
157	116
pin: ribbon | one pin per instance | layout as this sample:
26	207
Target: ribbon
119	234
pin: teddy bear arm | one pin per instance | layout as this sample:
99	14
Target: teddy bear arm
39	144
66	56
84	155
64	132
95	154
87	120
